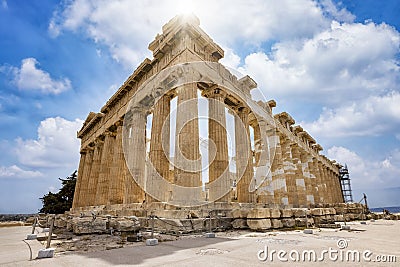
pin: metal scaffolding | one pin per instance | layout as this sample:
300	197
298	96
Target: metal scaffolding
345	184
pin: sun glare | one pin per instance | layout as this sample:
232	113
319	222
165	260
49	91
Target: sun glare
185	7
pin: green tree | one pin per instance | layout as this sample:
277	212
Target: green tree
60	202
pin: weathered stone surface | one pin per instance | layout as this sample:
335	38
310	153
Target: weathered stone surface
240	213
240	224
124	225
338	218
275	213
317	212
301	222
261	224
286	213
259	213
89	226
276	223
288	223
298	213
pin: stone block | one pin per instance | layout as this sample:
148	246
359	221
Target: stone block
151	242
276	223
317	212
302	222
259	213
209	235
298	213
240	213
288	223
89	226
286	213
261	224
240	224
275	213
124	225
338	218
164	224
31	237
46	253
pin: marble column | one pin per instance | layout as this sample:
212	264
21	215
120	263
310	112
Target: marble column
315	180
159	155
322	186
136	157
279	186
188	162
76	202
103	185
300	179
94	174
83	192
290	172
117	185
309	178
244	157
219	166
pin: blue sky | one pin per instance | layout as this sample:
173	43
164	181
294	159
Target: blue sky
333	65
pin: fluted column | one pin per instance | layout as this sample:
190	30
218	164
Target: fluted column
103	185
117	185
159	156
137	156
315	179
79	179
94	174
300	181
290	174
218	166
322	186
83	192
187	139
309	178
244	157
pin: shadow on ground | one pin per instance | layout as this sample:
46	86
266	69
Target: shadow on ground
140	254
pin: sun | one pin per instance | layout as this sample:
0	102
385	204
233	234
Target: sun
185	7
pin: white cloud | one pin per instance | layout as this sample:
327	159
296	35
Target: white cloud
4	4
126	27
346	61
339	14
56	145
16	172
373	116
29	77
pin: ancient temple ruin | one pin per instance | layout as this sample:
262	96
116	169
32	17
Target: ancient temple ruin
272	162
